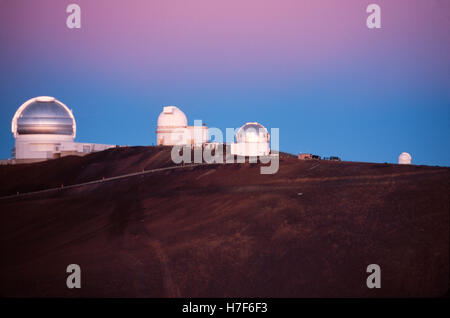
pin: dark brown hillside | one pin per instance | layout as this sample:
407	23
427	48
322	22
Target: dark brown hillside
224	230
73	169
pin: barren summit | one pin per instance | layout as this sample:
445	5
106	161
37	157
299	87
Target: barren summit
222	230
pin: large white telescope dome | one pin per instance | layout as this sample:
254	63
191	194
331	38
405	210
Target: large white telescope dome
252	132
252	140
43	115
172	117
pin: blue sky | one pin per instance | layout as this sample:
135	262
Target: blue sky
332	89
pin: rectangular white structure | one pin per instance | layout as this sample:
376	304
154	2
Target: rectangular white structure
250	149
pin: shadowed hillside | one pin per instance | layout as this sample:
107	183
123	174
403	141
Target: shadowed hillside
223	230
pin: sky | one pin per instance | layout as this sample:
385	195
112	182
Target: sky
311	68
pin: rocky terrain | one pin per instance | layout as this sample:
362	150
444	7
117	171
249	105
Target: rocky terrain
223	230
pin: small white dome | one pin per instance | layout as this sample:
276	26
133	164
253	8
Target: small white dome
252	132
172	117
404	158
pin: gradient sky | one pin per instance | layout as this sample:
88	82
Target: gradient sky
308	67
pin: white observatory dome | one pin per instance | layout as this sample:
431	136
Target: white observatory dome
172	117
404	158
44	128
252	132
43	115
252	140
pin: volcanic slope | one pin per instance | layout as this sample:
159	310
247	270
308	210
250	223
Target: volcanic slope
309	230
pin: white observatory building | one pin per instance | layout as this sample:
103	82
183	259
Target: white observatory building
404	158
44	128
252	140
172	129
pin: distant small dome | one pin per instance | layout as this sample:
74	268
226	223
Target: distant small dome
172	117
43	115
252	132
404	158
